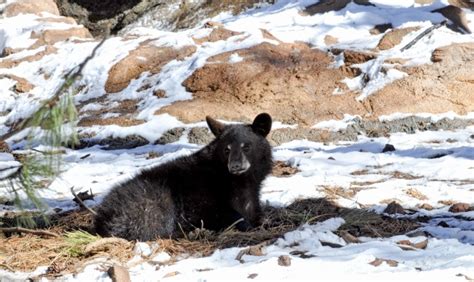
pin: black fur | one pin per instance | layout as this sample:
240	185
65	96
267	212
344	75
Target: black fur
214	187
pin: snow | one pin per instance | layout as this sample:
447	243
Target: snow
438	165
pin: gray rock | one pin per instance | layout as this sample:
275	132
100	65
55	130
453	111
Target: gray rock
170	136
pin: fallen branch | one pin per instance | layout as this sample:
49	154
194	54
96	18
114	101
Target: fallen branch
423	34
81	203
26	230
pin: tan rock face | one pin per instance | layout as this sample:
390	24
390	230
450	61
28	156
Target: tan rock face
444	86
31	7
394	37
146	57
49	37
424	2
22	85
292	82
218	33
462	3
10	63
457	17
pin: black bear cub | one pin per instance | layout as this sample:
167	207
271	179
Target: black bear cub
214	187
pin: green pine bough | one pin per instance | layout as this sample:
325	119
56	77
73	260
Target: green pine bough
54	122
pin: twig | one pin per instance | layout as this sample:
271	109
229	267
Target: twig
423	34
7	267
70	77
81	203
25	230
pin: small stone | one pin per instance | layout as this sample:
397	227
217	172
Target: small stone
252	276
284	260
460	207
394	208
443	224
426	206
142	249
118	273
388	148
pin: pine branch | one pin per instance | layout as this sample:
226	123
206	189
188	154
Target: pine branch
26	230
81	203
70	78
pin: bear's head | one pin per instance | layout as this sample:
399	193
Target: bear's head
242	147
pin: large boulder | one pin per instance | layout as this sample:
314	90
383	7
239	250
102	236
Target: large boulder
31	7
146	58
293	82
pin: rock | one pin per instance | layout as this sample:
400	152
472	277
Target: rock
436	88
394	37
443	224
455	15
330	40
10	63
423	2
100	16
325	6
355	57
394	208
118	273
468	4
124	121
142	249
49	37
217	34
388	148
460	207
200	135
380	28
4	148
114	143
267	35
284	260
147	57
426	206
390	262
66	20
289	81
31	7
22	85
170	136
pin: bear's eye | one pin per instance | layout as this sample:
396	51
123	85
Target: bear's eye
227	150
245	147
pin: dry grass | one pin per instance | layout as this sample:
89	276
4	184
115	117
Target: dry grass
413	192
282	169
27	252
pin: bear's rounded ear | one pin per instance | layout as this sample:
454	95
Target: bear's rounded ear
262	124
215	126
